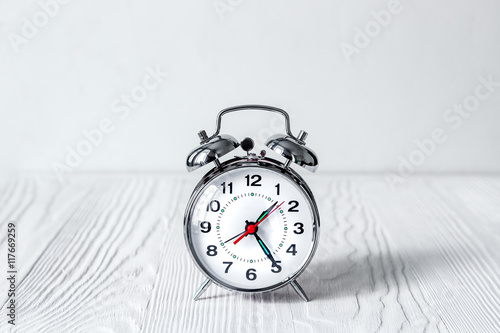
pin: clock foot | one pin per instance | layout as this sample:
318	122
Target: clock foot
204	286
296	286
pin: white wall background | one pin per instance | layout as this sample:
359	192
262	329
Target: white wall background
362	115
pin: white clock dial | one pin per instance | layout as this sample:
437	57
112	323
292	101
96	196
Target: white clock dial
252	228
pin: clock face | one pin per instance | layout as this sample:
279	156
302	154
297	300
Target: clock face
252	228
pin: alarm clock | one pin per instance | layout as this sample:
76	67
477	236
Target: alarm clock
252	224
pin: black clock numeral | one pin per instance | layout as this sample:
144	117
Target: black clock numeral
292	249
230	186
251	274
294	204
256	180
214	206
228	263
276	268
300	228
205	227
211	250
277	189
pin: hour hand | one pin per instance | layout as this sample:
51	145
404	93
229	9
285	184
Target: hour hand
266	212
265	249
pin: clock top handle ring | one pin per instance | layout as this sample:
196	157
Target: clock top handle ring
217	145
255	107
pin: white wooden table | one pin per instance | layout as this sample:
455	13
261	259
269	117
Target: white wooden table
106	253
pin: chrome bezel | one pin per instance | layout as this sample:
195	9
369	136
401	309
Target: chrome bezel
242	162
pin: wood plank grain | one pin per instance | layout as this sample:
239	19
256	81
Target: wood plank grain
434	236
96	274
107	253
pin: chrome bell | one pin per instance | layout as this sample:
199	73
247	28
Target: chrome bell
211	150
294	150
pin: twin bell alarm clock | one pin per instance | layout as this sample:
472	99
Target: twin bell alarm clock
252	224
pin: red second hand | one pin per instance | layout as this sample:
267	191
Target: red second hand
255	225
